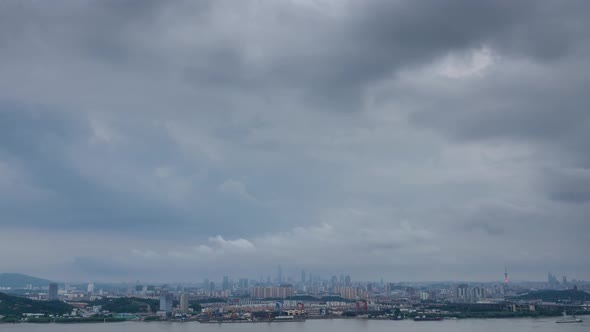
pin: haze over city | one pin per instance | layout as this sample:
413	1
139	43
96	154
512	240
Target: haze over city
181	140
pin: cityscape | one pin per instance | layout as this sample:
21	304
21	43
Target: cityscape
294	165
307	296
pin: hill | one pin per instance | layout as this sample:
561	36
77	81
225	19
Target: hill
15	306
17	280
556	296
127	305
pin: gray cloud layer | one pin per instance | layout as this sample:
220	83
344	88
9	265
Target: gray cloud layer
377	138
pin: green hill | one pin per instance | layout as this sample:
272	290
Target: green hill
15	306
556	295
17	280
128	304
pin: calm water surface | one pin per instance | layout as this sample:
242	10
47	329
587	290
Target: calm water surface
349	325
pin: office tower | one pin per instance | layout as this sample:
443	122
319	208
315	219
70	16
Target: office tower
552	280
184	303
302	276
243	283
52	295
333	282
90	288
225	283
166	301
347	280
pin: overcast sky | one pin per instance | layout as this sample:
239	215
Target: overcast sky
409	140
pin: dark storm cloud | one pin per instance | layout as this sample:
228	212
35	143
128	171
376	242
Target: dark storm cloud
327	59
240	130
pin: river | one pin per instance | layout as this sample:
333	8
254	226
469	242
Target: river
340	325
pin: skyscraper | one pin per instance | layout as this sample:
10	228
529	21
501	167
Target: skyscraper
280	275
166	301
302	276
225	283
243	283
184	303
347	280
52	295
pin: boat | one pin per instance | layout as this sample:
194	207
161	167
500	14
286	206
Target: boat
288	319
427	318
569	319
242	320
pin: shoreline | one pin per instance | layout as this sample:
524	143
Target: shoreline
449	318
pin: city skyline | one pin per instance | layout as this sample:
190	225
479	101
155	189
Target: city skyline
403	140
242	280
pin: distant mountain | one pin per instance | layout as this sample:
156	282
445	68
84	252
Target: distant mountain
14	306
556	295
17	280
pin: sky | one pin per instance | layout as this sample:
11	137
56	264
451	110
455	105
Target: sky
403	140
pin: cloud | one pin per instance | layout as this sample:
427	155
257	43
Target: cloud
236	189
369	137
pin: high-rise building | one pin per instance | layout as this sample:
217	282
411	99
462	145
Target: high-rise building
477	293
351	293
166	301
280	274
347	281
462	293
424	296
466	294
333	282
280	292
302	276
184	303
552	280
389	287
225	284
90	288
243	283
52	294
564	280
